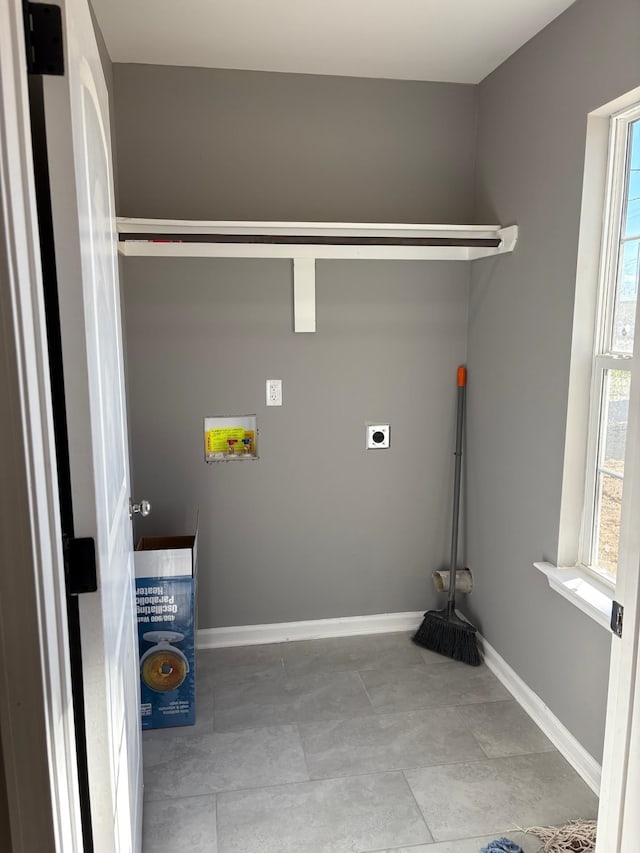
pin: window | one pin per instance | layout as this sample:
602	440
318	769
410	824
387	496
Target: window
614	361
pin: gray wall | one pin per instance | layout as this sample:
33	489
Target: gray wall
197	143
531	141
318	526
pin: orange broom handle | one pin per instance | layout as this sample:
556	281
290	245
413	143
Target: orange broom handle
462	377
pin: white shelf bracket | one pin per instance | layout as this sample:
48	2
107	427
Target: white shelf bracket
509	238
304	294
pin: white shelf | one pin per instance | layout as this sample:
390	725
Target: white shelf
179	238
306	242
129	225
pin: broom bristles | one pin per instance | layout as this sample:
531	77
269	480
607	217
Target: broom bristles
454	639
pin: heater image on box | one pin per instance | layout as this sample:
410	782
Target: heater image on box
163	667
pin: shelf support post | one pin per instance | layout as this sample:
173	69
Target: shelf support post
304	294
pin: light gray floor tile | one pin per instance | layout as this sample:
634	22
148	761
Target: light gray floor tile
233	656
157	744
503	728
180	826
342	654
528	843
321	696
191	766
204	714
332	816
204	697
400	721
430	657
495	796
226	666
387	742
232	674
431	686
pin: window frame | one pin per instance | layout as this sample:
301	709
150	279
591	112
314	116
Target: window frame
603	358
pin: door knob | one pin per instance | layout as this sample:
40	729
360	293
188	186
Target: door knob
144	508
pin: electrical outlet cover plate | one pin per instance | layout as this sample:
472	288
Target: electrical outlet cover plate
274	392
378	436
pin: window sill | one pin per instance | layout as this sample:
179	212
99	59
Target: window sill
582	589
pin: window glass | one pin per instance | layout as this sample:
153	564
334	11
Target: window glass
626	298
617	388
607	534
610	471
626	288
632	207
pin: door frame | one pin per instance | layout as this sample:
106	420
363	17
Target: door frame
36	709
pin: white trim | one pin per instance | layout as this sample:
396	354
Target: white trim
314	629
582	762
36	709
587	592
604	358
576	445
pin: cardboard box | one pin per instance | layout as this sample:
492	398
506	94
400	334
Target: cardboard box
166	577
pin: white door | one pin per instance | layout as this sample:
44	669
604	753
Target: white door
619	816
37	758
80	167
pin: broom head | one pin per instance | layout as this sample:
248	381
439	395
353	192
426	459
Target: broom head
445	633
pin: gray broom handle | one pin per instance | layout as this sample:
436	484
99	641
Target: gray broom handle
456	500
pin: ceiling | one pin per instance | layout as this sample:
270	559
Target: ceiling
460	41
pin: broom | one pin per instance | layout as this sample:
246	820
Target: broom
443	631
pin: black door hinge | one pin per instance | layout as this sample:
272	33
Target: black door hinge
617	613
80	565
43	38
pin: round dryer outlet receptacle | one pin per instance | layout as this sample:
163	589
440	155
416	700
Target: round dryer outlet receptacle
378	436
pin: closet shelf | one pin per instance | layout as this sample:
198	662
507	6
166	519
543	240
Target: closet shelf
306	242
187	238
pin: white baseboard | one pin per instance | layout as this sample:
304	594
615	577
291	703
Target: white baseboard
582	762
280	632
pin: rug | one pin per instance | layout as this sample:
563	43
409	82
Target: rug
577	836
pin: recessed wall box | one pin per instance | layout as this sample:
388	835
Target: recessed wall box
230	438
378	436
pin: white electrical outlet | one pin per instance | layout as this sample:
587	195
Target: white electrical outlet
378	436
274	392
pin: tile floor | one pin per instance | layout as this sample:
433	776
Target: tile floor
355	744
